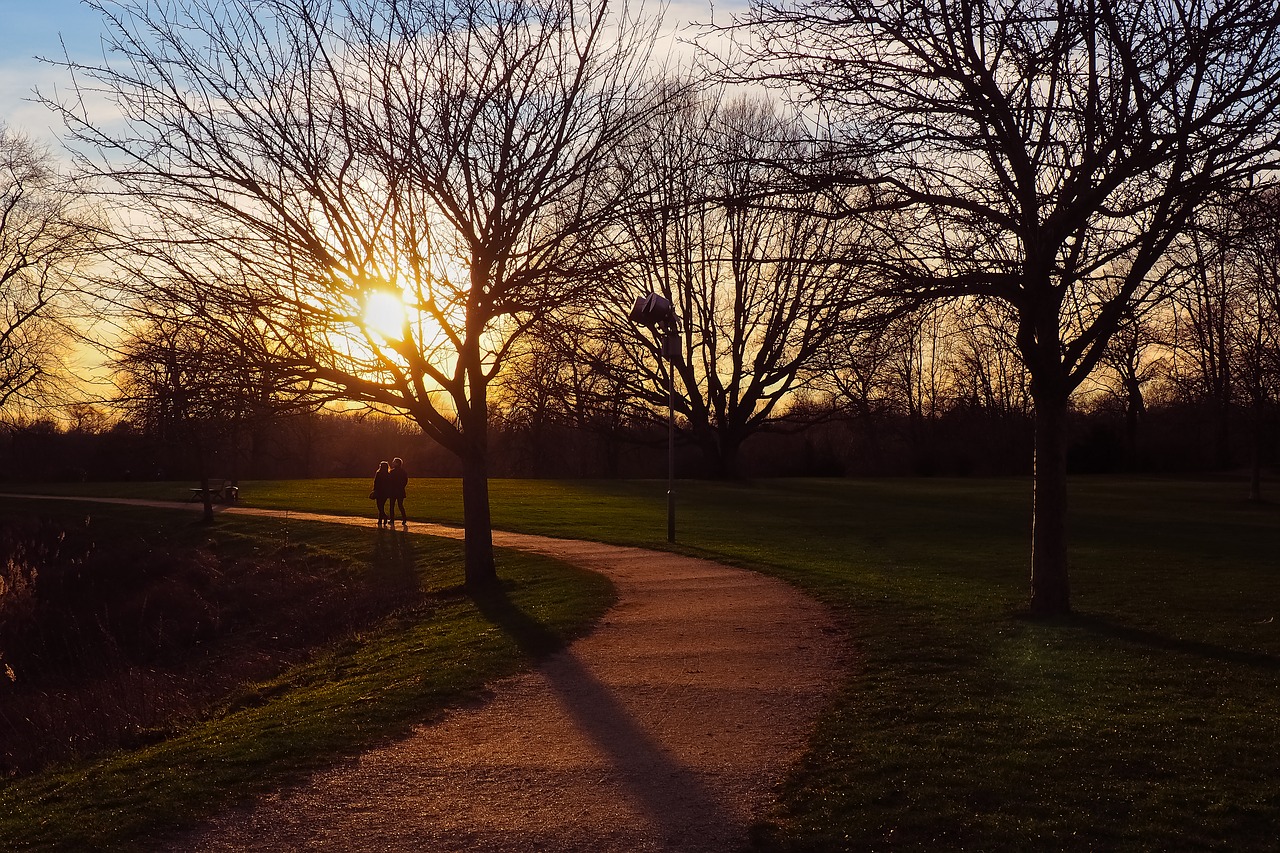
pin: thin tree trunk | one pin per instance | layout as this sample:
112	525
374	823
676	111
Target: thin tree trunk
1255	475
729	467
207	517
1050	590
480	571
1222	437
1133	414
720	457
1255	454
202	459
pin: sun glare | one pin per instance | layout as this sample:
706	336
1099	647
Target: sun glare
384	314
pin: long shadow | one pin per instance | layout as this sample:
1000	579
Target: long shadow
394	563
664	787
1143	637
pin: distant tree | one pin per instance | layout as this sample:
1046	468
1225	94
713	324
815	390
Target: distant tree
1205	305
1256	349
550	388
988	375
1258	337
389	192
193	392
46	238
1133	361
88	419
917	375
1041	152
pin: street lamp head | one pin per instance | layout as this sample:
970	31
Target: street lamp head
653	310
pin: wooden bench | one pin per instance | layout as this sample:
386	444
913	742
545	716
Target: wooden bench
219	490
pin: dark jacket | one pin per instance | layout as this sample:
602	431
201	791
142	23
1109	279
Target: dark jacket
398	478
382	486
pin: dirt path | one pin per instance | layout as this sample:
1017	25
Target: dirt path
666	729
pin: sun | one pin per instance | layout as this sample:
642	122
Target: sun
384	314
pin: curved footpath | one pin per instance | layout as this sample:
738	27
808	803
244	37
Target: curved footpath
665	729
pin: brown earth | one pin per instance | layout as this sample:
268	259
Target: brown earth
666	729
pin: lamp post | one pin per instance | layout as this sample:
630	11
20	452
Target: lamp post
657	312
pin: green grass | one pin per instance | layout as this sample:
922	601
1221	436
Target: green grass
356	694
1146	721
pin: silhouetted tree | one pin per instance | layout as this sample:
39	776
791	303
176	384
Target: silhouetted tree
552	387
760	286
1258	339
194	391
1206	264
383	194
1133	362
45	240
1039	152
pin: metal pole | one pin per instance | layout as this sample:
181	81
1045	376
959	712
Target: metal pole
670	347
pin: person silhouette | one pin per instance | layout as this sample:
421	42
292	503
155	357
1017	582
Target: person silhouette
383	489
399	479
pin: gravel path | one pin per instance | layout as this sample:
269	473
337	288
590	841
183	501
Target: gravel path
666	729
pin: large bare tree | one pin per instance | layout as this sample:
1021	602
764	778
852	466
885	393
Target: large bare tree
381	195
46	241
1041	152
760	284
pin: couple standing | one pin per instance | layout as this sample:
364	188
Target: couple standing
388	484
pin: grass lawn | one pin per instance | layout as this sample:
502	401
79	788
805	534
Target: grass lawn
1147	721
354	693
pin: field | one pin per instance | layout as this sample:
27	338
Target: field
1145	721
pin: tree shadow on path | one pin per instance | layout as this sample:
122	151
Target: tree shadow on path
668	791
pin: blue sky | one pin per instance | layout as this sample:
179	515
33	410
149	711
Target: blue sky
30	28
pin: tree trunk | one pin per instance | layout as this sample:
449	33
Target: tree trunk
1133	413
1222	437
207	516
720	455
202	460
729	468
1255	474
1255	452
1050	590
480	571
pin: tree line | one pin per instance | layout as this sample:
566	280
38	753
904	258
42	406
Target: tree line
440	211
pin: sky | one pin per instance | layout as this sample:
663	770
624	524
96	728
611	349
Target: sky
40	28
30	28
46	28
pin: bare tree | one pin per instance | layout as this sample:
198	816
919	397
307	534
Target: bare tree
381	195
987	373
1206	263
1041	152
45	240
176	387
191	388
1258	336
552	387
1133	361
760	287
1257	353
